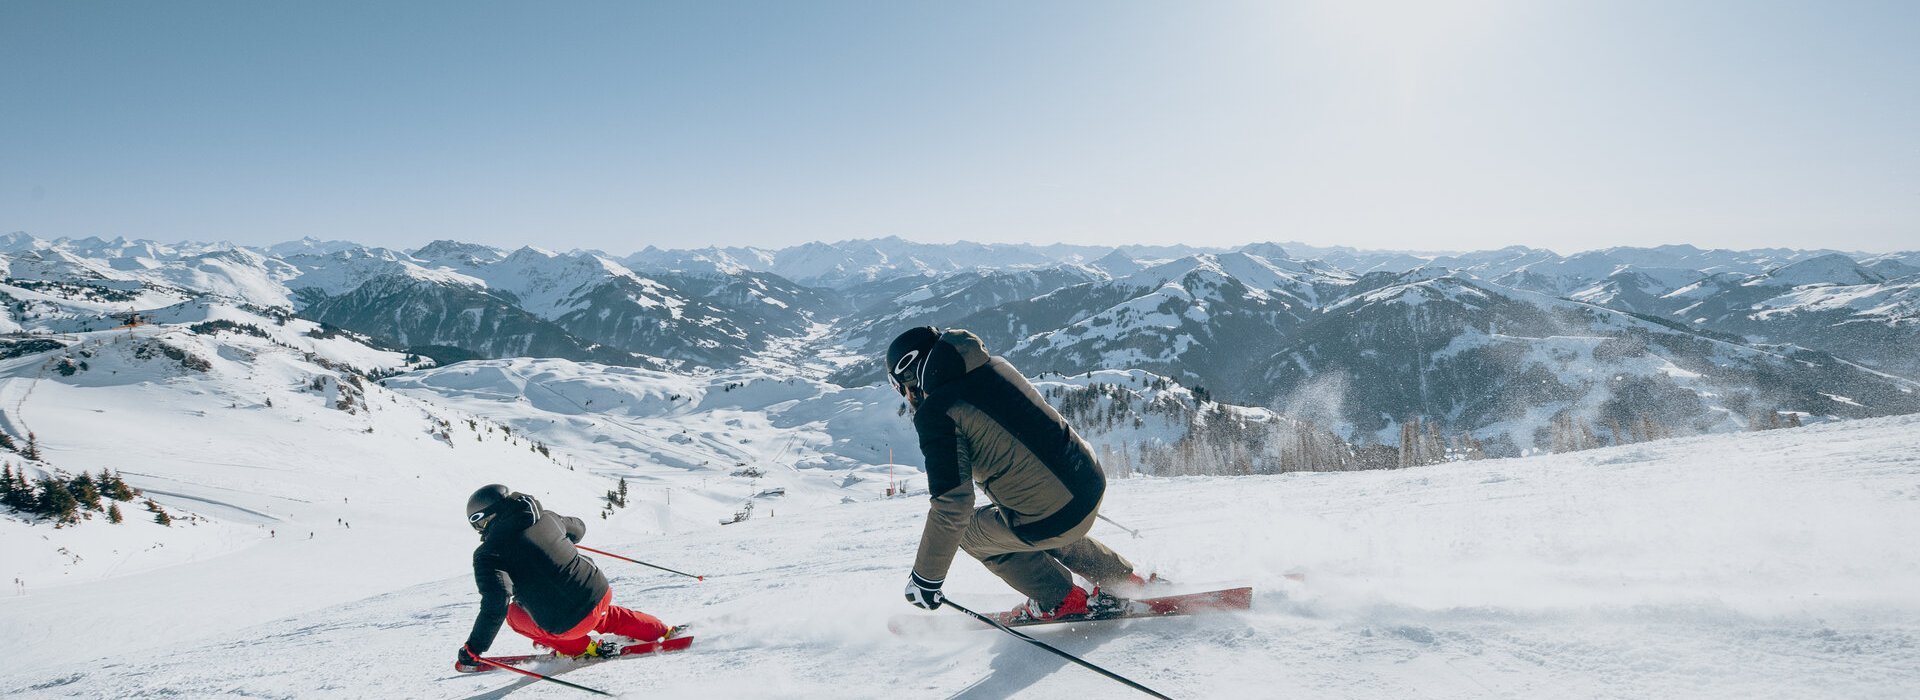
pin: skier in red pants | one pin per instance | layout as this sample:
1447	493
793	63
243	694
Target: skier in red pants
531	577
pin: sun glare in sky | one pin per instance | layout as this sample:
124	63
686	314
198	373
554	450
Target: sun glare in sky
1429	125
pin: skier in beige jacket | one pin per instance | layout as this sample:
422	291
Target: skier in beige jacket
980	422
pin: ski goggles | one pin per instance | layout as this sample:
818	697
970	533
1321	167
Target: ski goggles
900	375
478	520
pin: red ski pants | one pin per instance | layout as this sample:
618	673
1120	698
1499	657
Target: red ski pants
606	617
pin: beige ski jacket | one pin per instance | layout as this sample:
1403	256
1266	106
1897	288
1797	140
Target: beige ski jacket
981	422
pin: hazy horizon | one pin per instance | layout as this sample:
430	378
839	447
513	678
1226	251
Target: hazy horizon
1287	245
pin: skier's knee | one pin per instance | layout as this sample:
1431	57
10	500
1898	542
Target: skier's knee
969	544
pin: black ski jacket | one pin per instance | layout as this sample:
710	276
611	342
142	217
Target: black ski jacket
526	554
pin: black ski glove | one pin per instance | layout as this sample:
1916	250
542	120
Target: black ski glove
923	593
464	662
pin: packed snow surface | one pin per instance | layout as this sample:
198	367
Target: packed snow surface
1772	564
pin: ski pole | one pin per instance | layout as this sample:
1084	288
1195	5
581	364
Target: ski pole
1130	531
1049	647
524	672
642	563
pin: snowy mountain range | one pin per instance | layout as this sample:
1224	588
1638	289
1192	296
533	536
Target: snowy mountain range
1490	343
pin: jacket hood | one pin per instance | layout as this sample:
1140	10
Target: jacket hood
957	353
517	512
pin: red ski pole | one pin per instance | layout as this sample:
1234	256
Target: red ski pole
524	672
642	563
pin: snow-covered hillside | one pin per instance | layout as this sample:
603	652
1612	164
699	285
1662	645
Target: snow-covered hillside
1770	564
292	481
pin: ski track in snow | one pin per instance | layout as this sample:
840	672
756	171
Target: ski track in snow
208	506
1769	564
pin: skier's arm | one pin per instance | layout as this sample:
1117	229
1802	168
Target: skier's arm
950	487
495	589
576	528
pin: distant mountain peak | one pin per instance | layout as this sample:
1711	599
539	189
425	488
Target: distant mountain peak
18	241
465	254
1117	263
1831	268
1268	250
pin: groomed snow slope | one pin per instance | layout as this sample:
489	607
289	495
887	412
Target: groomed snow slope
1771	564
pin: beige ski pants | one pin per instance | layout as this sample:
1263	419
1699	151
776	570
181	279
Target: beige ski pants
1041	569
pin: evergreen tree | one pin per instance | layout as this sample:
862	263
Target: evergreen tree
33	447
1436	447
114	487
57	502
22	491
6	441
1406	444
160	516
623	492
1470	447
113	513
85	491
6	486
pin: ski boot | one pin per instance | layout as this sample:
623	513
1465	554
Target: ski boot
1101	604
1030	611
599	648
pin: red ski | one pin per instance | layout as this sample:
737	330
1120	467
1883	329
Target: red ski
1162	606
661	647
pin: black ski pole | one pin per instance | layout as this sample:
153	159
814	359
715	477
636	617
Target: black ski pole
642	563
1130	531
1049	647
551	679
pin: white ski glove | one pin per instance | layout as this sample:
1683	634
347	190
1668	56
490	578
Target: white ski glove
923	593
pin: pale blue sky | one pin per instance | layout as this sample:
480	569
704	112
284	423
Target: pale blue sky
1432	125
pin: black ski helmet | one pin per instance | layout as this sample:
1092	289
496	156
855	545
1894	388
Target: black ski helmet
483	501
907	357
